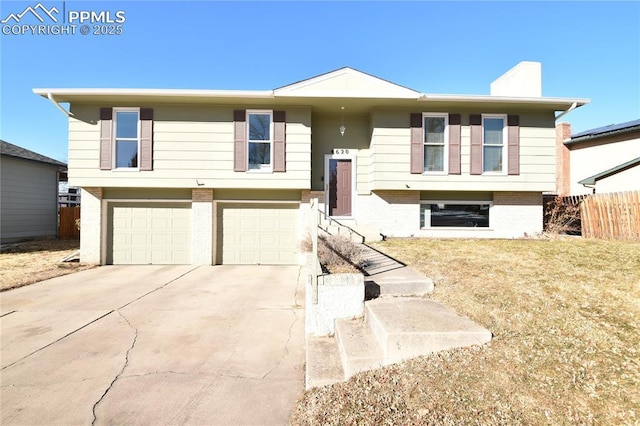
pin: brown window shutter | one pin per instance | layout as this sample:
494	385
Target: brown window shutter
279	136
513	142
146	139
239	140
475	124
106	138
417	143
454	144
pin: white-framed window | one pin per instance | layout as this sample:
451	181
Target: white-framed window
436	140
260	140
126	128
455	214
494	143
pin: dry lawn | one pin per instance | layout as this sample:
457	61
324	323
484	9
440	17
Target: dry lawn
565	315
33	261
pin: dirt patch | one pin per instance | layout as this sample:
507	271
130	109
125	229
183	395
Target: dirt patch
34	261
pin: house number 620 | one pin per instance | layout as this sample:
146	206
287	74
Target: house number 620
340	151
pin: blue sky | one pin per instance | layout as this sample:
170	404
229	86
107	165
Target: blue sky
587	50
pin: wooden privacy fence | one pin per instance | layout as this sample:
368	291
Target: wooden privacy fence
67	227
612	216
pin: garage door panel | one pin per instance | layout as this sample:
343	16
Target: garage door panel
257	234
138	256
181	223
149	233
180	240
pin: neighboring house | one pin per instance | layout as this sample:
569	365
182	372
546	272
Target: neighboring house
29	194
213	176
605	159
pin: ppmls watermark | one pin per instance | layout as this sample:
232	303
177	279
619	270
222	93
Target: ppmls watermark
57	20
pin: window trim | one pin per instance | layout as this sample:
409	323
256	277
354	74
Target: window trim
505	144
114	132
427	214
445	145
263	168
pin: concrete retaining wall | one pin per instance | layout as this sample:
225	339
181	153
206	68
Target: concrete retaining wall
339	296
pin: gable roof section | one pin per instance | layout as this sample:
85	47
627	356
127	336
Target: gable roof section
346	83
612	171
604	131
12	150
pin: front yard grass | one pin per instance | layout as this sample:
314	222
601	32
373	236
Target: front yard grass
565	315
37	260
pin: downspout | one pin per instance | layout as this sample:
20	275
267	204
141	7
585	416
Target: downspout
592	188
53	101
571	108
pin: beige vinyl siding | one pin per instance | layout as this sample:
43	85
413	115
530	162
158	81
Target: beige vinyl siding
146	194
190	143
390	157
28	199
326	137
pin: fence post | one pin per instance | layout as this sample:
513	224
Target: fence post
314	242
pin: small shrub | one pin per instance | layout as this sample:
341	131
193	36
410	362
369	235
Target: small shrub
562	217
340	254
337	254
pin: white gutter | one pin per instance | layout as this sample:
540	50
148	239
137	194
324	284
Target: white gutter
563	113
52	99
425	97
195	93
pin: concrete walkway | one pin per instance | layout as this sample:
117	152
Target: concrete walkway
386	276
154	345
395	326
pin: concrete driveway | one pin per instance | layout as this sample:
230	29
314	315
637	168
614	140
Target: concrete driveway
154	345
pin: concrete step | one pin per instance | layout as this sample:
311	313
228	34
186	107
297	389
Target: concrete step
400	281
359	350
323	363
378	262
407	327
386	276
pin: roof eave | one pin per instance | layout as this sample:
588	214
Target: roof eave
94	94
586	138
71	94
542	101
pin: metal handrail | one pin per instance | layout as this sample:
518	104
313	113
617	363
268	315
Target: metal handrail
331	220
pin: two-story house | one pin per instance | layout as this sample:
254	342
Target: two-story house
220	176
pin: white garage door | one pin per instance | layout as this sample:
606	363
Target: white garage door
257	234
149	233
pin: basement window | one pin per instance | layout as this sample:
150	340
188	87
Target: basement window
454	214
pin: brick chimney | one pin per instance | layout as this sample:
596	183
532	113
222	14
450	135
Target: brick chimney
563	165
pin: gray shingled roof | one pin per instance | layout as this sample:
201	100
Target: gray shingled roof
600	132
12	150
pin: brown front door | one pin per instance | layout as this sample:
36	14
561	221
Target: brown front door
340	188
